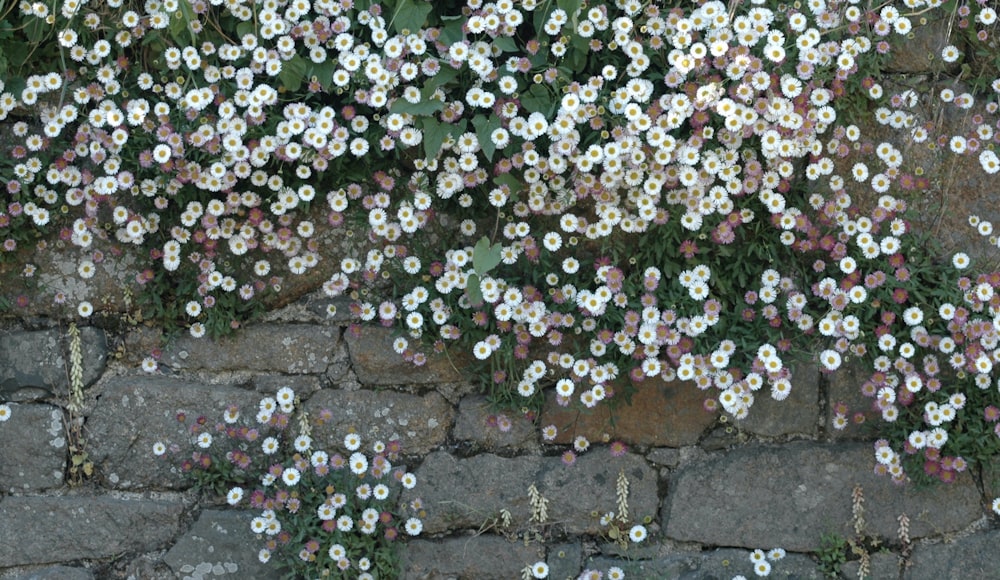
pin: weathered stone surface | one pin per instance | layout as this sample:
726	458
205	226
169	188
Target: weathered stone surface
720	564
661	414
420	422
800	491
67	528
55	573
574	492
491	483
37	361
664	456
974	556
303	385
565	560
484	429
376	363
485	557
133	413
282	348
33	452
991	478
921	51
796	415
883	565
219	544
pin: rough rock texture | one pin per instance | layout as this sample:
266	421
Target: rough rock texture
721	564
219	545
67	528
34	364
57	573
491	483
375	363
291	348
921	53
883	565
796	415
481	428
419	422
973	556
661	413
33	452
795	493
485	557
133	413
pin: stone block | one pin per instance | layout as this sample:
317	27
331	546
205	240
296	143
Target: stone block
34	364
921	51
664	414
419	422
376	363
261	348
844	386
492	430
800	491
54	573
33	453
972	556
883	565
49	530
798	415
134	412
481	557
490	483
711	564
220	545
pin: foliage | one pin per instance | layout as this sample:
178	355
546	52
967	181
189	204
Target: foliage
322	515
582	197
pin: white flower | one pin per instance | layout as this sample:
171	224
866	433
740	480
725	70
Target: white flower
235	495
291	476
960	260
85	309
414	526
540	570
264	555
409	481
637	533
996	506
358	463
352	442
158	448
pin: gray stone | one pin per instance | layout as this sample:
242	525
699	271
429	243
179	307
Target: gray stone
47	530
479	557
37	362
55	573
33	453
376	363
303	385
664	456
491	483
419	422
482	428
575	492
283	348
882	565
921	51
974	556
796	415
565	560
800	491
722	564
221	542
133	413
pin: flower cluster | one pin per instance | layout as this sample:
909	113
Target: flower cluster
321	513
588	197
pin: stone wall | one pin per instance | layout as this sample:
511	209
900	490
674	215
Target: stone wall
710	490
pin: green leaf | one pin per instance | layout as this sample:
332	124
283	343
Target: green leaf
505	43
453	31
435	133
513	183
484	256
484	128
538	100
473	291
293	71
424	108
410	16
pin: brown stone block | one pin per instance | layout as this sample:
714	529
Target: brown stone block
662	414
